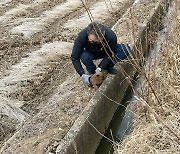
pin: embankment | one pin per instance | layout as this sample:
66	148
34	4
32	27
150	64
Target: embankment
70	119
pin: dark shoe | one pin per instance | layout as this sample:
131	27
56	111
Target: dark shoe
112	71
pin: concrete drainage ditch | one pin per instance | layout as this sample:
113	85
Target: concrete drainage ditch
140	24
85	134
121	124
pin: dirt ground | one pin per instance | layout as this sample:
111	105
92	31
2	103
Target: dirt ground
40	91
42	94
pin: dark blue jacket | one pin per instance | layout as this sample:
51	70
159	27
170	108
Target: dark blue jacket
81	43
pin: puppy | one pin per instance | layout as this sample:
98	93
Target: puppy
97	79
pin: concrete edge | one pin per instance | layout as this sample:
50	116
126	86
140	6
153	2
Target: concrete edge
84	135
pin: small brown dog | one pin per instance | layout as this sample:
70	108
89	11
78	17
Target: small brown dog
97	79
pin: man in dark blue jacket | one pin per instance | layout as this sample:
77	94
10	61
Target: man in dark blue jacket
97	42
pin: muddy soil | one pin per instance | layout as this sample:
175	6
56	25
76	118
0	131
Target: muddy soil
37	78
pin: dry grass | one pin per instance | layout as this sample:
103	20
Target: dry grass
156	125
65	104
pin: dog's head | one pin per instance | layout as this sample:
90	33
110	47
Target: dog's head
97	79
100	75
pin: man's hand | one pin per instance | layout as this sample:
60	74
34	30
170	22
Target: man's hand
86	79
98	69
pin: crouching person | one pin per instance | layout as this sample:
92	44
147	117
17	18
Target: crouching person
97	41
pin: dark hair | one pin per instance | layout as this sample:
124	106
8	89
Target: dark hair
96	29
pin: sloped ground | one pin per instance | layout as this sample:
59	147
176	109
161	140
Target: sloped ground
41	95
156	120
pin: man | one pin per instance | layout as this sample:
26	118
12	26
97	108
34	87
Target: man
97	42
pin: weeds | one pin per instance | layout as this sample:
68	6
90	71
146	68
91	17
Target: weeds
157	131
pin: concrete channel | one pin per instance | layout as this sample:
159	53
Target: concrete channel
86	133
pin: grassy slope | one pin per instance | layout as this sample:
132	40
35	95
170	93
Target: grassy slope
156	120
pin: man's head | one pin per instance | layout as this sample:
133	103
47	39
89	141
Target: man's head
95	32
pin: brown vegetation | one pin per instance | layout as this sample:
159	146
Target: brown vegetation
156	122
